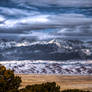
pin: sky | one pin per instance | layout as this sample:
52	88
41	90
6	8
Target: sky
65	17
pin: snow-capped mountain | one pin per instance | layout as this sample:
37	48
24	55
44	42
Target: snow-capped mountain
45	50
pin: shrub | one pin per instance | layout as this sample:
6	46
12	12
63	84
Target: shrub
8	82
74	90
45	87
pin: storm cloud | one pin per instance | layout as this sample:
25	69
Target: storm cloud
27	17
62	3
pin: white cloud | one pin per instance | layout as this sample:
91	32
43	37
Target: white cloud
46	21
2	18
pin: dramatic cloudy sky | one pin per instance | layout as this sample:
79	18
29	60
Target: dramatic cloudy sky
59	17
68	3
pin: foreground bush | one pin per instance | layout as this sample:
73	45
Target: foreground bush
8	82
74	90
45	87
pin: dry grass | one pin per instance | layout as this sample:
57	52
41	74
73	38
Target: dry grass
65	82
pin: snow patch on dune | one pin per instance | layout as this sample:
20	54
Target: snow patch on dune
50	67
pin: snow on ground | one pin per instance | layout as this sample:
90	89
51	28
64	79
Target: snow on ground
50	67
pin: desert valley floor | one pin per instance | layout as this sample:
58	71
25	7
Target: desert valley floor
65	82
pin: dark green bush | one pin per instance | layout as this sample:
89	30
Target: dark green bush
8	81
74	90
45	87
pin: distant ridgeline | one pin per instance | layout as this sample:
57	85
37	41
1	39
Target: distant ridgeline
45	50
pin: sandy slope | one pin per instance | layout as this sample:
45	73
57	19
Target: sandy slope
65	82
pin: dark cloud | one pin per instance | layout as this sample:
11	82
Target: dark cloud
20	21
62	3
